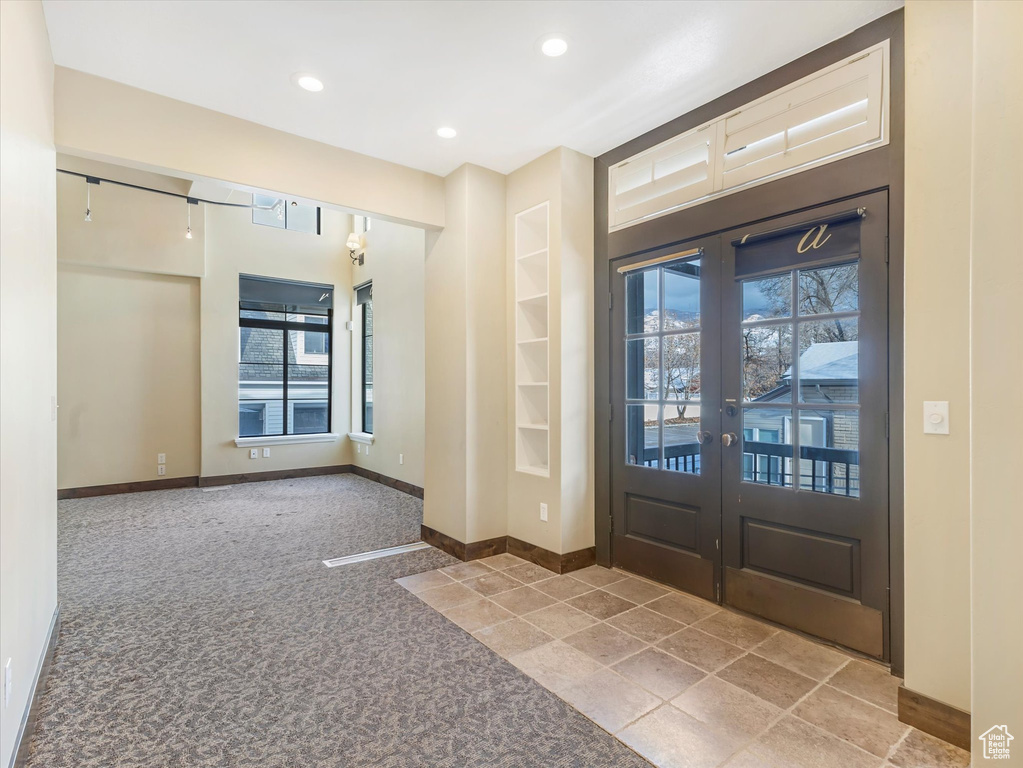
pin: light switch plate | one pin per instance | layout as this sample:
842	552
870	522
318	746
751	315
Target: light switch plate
266	453
161	458
936	417
543	512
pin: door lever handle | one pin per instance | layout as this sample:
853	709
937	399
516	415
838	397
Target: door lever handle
729	439
704	437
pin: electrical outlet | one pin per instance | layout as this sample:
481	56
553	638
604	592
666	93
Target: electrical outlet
358	448
161	458
543	512
161	469
266	453
401	458
7	683
253	453
367	450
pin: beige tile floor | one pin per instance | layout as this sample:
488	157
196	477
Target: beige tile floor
682	681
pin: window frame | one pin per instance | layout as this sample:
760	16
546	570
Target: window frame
363	337
286	326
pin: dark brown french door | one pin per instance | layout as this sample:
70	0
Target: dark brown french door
749	420
665	380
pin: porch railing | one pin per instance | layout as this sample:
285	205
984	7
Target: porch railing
831	470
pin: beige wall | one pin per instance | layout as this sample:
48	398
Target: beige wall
129	229
534	183
444	283
28	374
128	328
104	120
128	375
148	360
234	245
565	179
395	262
486	373
939	57
997	368
466	427
576	361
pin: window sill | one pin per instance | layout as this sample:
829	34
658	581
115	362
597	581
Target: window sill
248	442
361	437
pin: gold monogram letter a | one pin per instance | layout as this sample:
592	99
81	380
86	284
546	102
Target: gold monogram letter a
817	241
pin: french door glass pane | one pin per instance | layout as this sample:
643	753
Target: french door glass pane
767	446
681	366
767	297
641	368
829	451
642	302
829	289
642	440
766	363
682	296
681	424
829	361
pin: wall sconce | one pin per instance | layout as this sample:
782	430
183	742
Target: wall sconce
353	245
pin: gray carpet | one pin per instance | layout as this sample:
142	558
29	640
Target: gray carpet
201	629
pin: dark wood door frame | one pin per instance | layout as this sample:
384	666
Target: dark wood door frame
878	169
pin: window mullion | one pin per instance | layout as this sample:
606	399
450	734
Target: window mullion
284	387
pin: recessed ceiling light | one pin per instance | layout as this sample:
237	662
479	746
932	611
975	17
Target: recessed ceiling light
447	132
307	82
555	45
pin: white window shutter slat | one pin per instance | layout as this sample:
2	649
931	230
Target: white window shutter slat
834	113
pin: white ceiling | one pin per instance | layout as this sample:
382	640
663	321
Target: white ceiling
396	71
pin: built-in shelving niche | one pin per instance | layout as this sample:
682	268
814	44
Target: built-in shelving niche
532	349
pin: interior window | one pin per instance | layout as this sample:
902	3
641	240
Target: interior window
364	307
281	391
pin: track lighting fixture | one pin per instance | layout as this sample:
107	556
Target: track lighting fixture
188	207
88	207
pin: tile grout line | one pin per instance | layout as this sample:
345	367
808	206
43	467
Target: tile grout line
784	712
895	747
789	711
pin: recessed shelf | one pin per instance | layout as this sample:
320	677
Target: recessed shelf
532	310
541	252
536	298
534	470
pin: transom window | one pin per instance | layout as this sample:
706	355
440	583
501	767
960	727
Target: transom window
280	213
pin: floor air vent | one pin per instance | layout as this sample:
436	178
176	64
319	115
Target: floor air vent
375	554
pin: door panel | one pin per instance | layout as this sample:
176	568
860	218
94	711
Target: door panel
804	485
749	420
665	383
